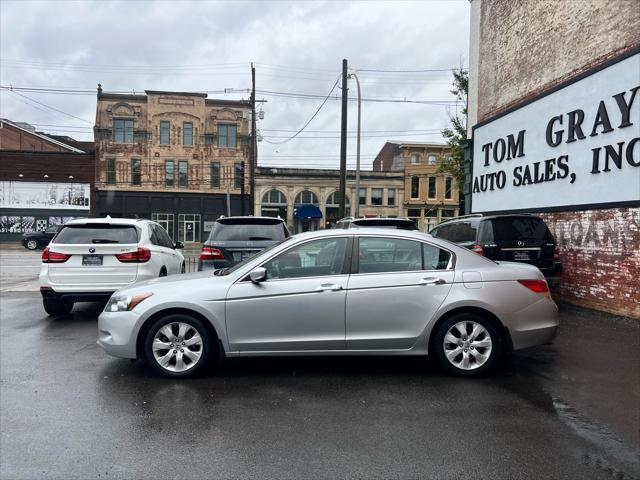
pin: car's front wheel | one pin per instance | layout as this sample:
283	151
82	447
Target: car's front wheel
178	345
468	345
56	307
32	244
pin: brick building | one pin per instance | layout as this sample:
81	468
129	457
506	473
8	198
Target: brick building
283	191
554	128
430	196
43	180
177	158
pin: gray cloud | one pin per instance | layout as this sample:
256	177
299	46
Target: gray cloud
297	47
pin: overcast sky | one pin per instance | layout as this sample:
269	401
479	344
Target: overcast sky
297	47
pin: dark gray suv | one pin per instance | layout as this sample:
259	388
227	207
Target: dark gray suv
514	238
233	239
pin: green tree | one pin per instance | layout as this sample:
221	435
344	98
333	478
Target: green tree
457	132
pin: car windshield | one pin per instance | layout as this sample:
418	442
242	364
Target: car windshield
237	266
519	228
247	231
97	233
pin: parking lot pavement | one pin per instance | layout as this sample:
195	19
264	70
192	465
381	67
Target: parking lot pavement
19	268
70	411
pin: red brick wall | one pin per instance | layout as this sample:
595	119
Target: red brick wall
600	252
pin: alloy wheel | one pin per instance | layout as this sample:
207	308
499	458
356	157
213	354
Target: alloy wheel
467	345
177	347
32	244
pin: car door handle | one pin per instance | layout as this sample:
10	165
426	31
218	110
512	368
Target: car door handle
328	287
431	281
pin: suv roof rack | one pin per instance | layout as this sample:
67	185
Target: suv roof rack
471	215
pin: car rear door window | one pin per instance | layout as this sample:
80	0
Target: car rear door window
376	255
435	258
317	258
97	233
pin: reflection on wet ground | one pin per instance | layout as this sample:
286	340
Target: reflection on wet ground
69	411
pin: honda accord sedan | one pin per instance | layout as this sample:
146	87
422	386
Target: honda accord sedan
337	292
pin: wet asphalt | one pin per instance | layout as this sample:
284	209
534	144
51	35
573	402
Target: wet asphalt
570	410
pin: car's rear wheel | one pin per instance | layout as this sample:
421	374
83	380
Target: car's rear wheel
56	307
178	345
183	269
468	345
32	244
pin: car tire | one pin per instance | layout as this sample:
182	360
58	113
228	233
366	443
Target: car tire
32	245
163	272
183	269
177	365
56	307
468	345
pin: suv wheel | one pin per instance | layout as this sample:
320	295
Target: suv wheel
467	345
178	345
32	244
56	307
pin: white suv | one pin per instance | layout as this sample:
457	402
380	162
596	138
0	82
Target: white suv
89	259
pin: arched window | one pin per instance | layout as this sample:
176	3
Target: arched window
306	197
274	197
334	200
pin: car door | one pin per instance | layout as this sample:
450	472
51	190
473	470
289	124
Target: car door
174	258
160	255
300	305
395	288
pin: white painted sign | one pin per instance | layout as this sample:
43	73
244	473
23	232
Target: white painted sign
44	195
579	145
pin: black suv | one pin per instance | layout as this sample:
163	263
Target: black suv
514	238
399	223
233	239
40	239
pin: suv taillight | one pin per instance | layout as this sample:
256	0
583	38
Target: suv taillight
538	286
478	249
139	256
211	253
54	257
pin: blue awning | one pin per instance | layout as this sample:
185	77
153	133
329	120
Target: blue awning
307	211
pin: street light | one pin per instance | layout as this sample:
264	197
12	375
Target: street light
357	203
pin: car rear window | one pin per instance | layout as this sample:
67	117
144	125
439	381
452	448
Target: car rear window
229	231
97	233
506	229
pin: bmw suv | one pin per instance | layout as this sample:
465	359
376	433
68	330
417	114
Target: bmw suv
89	259
514	238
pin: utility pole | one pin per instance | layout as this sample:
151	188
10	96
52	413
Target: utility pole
242	193
343	143
253	161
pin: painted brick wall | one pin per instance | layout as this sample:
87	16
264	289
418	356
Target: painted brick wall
600	252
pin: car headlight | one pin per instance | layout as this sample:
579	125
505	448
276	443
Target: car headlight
122	303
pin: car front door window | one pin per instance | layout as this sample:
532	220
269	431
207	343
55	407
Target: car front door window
317	258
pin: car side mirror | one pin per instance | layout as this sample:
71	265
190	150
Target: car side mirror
179	245
258	275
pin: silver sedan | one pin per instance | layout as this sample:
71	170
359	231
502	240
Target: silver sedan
337	292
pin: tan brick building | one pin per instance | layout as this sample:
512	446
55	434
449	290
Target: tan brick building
282	191
174	157
429	196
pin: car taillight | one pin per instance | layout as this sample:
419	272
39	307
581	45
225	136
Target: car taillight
54	257
478	249
211	253
139	256
538	286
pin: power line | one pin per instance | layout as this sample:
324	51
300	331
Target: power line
50	107
312	117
